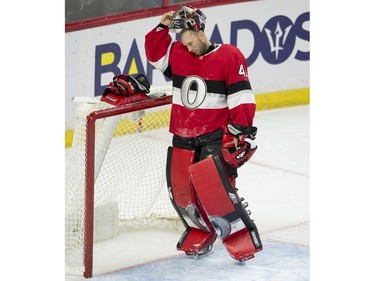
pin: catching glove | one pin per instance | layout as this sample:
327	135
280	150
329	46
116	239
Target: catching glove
235	149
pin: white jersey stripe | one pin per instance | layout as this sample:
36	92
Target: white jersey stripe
241	97
217	101
211	101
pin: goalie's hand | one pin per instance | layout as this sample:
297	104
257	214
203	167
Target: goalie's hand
235	149
166	19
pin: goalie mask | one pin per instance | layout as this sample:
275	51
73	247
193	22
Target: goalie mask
188	17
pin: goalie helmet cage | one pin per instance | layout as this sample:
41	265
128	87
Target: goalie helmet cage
95	177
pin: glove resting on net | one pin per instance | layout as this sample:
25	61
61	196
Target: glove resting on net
126	89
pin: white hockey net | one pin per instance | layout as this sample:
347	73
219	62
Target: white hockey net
129	175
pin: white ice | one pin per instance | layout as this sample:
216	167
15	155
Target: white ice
276	184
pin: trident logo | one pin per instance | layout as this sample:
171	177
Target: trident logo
280	38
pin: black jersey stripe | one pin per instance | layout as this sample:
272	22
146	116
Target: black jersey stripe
215	87
239	86
168	71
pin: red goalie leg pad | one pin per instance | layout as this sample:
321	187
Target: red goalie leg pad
240	246
224	209
199	233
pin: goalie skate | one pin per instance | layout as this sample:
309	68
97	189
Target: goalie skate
224	209
204	252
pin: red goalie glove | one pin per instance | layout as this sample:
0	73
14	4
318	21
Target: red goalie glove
235	149
126	89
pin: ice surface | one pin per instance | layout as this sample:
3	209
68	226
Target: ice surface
278	261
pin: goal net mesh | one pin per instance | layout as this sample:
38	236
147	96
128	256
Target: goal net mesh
130	165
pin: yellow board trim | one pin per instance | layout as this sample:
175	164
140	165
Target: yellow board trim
149	119
283	98
264	101
69	138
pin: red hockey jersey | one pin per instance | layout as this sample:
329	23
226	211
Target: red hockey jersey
208	90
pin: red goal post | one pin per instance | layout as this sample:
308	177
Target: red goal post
116	169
